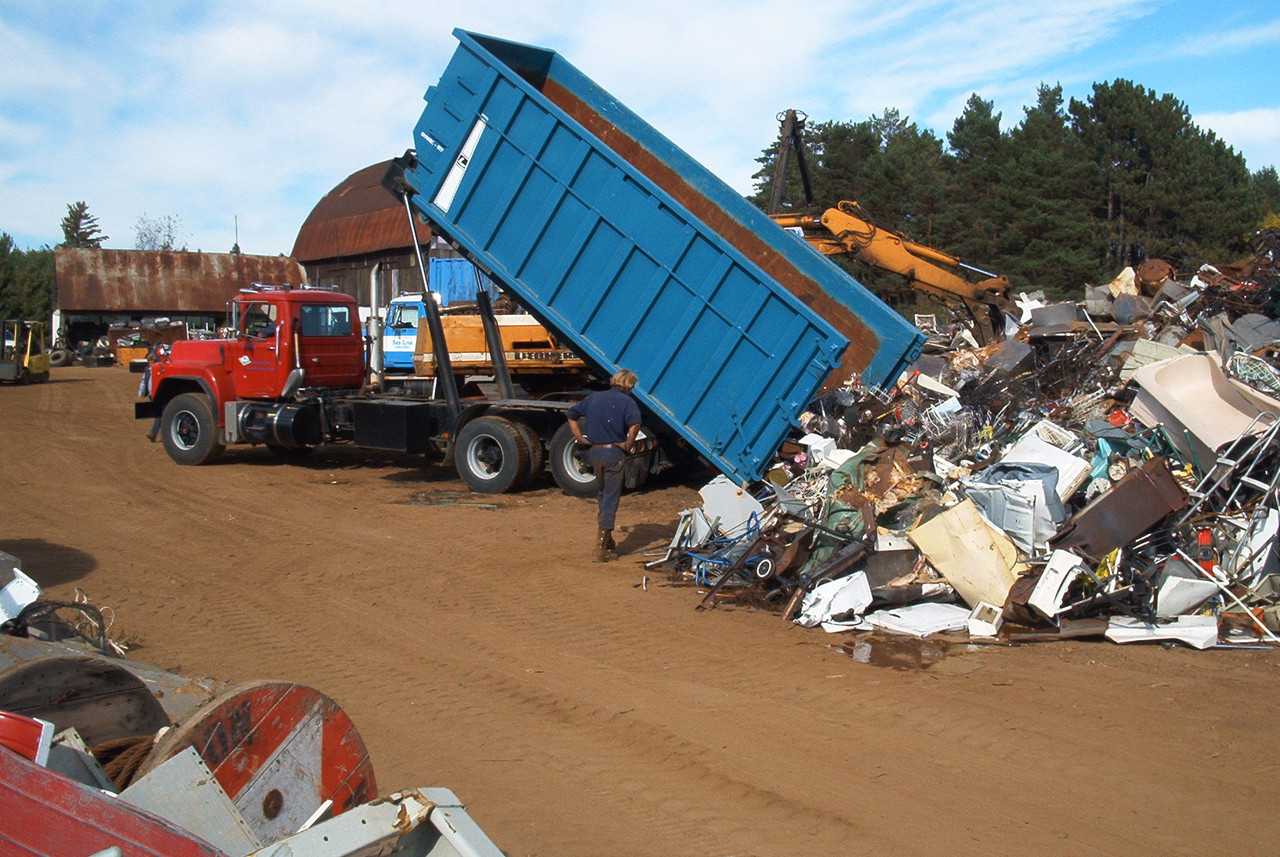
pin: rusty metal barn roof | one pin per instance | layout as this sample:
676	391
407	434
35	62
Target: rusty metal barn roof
356	217
161	281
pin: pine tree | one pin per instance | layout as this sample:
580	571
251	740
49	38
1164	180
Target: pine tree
158	233
978	158
1166	189
1208	210
9	253
1266	194
903	180
1066	198
1049	239
846	149
26	281
80	228
897	183
834	152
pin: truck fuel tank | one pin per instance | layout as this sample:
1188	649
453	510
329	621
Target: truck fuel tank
286	424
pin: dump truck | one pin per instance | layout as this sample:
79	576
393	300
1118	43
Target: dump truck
536	361
453	283
614	239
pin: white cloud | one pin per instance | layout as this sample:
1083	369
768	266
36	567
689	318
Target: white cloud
981	48
216	110
1217	42
1254	133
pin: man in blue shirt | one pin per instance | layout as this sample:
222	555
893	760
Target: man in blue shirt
607	421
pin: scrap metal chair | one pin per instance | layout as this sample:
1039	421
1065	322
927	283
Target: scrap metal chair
720	556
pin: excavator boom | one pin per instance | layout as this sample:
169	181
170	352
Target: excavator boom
846	231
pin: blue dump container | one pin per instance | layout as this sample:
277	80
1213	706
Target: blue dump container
632	251
457	280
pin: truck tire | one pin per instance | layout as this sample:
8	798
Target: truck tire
189	430
537	452
569	465
59	357
491	455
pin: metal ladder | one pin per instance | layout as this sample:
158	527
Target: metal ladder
1248	463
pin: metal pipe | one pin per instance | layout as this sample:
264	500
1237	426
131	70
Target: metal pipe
376	361
497	354
975	269
440	349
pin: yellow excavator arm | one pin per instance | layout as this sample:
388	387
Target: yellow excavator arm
846	231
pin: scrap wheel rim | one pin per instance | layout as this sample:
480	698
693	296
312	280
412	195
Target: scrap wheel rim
186	430
764	568
484	456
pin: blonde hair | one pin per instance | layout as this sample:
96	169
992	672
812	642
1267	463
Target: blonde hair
624	380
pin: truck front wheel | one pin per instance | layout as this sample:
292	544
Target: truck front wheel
569	465
189	431
492	456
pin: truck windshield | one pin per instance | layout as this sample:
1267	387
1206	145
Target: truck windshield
404	315
322	320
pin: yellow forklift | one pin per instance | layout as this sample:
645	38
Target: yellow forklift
24	356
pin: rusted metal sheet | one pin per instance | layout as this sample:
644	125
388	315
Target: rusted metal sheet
1142	498
161	282
358	216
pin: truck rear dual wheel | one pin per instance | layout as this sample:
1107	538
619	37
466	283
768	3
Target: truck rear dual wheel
537	452
570	466
492	455
189	430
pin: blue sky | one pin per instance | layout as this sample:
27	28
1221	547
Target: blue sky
218	113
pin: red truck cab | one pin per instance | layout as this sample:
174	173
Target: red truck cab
281	343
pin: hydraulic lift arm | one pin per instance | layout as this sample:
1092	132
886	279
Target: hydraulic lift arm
847	230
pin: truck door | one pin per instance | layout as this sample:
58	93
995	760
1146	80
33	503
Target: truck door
400	337
257	370
330	347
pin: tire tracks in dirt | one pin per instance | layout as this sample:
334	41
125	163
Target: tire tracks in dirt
577	712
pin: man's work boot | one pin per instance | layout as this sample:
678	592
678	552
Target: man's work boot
604	546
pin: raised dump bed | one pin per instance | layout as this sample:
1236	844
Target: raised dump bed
637	255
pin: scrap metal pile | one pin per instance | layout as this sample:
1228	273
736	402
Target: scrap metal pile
1110	469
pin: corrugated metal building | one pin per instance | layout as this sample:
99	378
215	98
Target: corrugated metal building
359	232
96	289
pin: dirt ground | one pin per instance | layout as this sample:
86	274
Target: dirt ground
577	711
